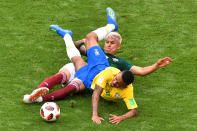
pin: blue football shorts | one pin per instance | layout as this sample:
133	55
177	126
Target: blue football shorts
97	62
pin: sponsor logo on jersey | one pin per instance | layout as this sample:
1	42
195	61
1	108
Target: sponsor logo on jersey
96	52
115	59
107	93
100	80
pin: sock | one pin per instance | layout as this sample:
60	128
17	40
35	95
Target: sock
62	93
61	33
70	47
50	82
103	31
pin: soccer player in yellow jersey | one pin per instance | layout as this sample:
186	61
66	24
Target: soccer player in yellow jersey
107	80
109	84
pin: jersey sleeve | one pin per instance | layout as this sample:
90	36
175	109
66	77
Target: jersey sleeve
103	78
125	65
129	99
130	103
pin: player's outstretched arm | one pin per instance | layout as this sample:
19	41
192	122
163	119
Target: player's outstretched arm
117	119
95	102
142	71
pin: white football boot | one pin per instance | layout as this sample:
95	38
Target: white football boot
35	96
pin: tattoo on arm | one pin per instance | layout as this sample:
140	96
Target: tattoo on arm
95	99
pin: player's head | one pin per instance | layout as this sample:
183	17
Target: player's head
112	43
127	77
122	79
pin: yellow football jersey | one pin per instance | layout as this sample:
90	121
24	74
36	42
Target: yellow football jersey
104	79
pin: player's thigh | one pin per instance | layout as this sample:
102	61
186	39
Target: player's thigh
78	62
91	40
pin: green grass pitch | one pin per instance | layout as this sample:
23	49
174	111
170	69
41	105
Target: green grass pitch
151	29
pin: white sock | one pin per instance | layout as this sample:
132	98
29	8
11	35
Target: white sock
103	31
70	47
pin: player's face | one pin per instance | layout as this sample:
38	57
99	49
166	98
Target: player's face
111	46
117	81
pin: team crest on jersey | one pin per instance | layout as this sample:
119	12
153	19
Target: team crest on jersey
96	52
108	93
115	59
100	80
117	95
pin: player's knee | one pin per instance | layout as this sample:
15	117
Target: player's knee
62	69
91	40
79	64
66	72
91	36
80	84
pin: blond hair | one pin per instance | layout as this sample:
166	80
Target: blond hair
114	35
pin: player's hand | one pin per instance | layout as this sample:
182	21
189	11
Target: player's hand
97	119
115	119
164	61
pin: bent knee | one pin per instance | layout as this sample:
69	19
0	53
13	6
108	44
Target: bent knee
90	36
91	40
80	84
69	71
65	71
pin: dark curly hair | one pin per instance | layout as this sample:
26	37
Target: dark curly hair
127	77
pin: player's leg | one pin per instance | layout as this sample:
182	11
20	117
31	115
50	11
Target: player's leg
35	94
72	52
71	69
65	74
45	86
101	33
73	87
59	78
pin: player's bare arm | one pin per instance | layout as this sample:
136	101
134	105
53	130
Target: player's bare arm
81	47
117	119
95	102
142	71
79	43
